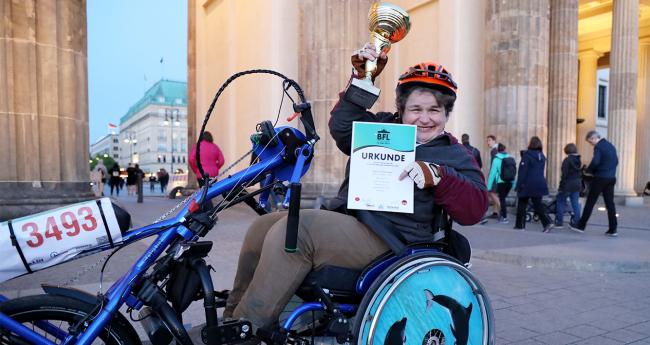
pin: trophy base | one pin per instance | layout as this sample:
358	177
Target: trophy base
362	93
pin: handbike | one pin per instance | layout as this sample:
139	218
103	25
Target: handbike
422	296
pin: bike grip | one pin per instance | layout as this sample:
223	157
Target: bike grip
291	239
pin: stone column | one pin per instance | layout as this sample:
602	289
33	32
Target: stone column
329	32
587	100
517	70
43	106
563	84
622	91
192	124
643	118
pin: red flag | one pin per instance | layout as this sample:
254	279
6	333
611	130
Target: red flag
110	125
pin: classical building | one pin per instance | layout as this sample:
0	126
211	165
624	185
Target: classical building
106	145
153	132
551	68
43	106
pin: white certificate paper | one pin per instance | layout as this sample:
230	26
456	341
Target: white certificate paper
380	151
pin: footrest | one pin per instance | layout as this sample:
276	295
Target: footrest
229	332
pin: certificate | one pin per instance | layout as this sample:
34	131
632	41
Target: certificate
380	151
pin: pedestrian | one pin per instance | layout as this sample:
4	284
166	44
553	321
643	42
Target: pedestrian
163	177
570	185
502	174
96	176
211	158
152	182
492	144
603	168
115	179
100	165
531	185
445	178
475	152
131	179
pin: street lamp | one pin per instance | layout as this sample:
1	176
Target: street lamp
131	140
169	120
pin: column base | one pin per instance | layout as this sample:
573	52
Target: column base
24	198
633	201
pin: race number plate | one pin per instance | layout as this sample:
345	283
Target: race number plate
56	236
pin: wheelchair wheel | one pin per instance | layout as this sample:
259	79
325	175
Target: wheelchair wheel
425	299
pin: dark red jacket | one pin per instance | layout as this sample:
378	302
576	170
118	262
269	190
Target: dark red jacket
461	191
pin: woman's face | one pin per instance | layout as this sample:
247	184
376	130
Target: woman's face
422	110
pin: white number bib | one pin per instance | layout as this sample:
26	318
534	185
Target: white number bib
55	236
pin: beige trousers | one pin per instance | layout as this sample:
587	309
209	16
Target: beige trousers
267	277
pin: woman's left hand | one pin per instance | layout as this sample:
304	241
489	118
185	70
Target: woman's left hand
423	174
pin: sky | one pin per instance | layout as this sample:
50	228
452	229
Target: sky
126	41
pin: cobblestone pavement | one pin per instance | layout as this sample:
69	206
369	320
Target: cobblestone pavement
535	302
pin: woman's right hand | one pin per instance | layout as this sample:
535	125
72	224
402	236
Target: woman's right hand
368	52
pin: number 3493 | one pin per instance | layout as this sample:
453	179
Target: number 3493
71	223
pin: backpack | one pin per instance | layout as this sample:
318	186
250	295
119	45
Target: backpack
508	169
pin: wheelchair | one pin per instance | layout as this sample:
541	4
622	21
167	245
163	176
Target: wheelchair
421	297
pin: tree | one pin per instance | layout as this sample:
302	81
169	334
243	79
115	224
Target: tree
108	161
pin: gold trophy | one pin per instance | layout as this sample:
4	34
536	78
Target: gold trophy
387	24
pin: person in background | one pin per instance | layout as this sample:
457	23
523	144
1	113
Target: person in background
152	182
100	165
570	184
163	177
115	178
531	185
496	178
603	167
491	141
475	152
211	158
130	179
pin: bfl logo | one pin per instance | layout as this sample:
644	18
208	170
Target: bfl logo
382	136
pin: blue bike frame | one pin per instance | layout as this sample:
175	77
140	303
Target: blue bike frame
167	231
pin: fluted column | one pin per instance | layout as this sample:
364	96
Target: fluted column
562	84
643	118
587	100
43	105
516	79
622	91
330	31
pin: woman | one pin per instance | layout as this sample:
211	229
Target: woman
495	182
531	184
211	157
570	184
445	176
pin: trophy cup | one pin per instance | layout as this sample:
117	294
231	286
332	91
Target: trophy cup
387	24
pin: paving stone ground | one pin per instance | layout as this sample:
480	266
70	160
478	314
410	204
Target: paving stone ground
557	288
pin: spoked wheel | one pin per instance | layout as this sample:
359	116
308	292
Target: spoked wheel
52	316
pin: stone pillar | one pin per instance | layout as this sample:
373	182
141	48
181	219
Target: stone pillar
517	70
43	106
642	171
329	32
622	91
192	125
587	100
563	83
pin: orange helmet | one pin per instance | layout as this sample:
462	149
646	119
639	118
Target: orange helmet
428	74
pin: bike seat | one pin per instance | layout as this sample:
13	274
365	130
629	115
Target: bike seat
349	285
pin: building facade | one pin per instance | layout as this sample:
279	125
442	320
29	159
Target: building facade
551	68
106	145
153	133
